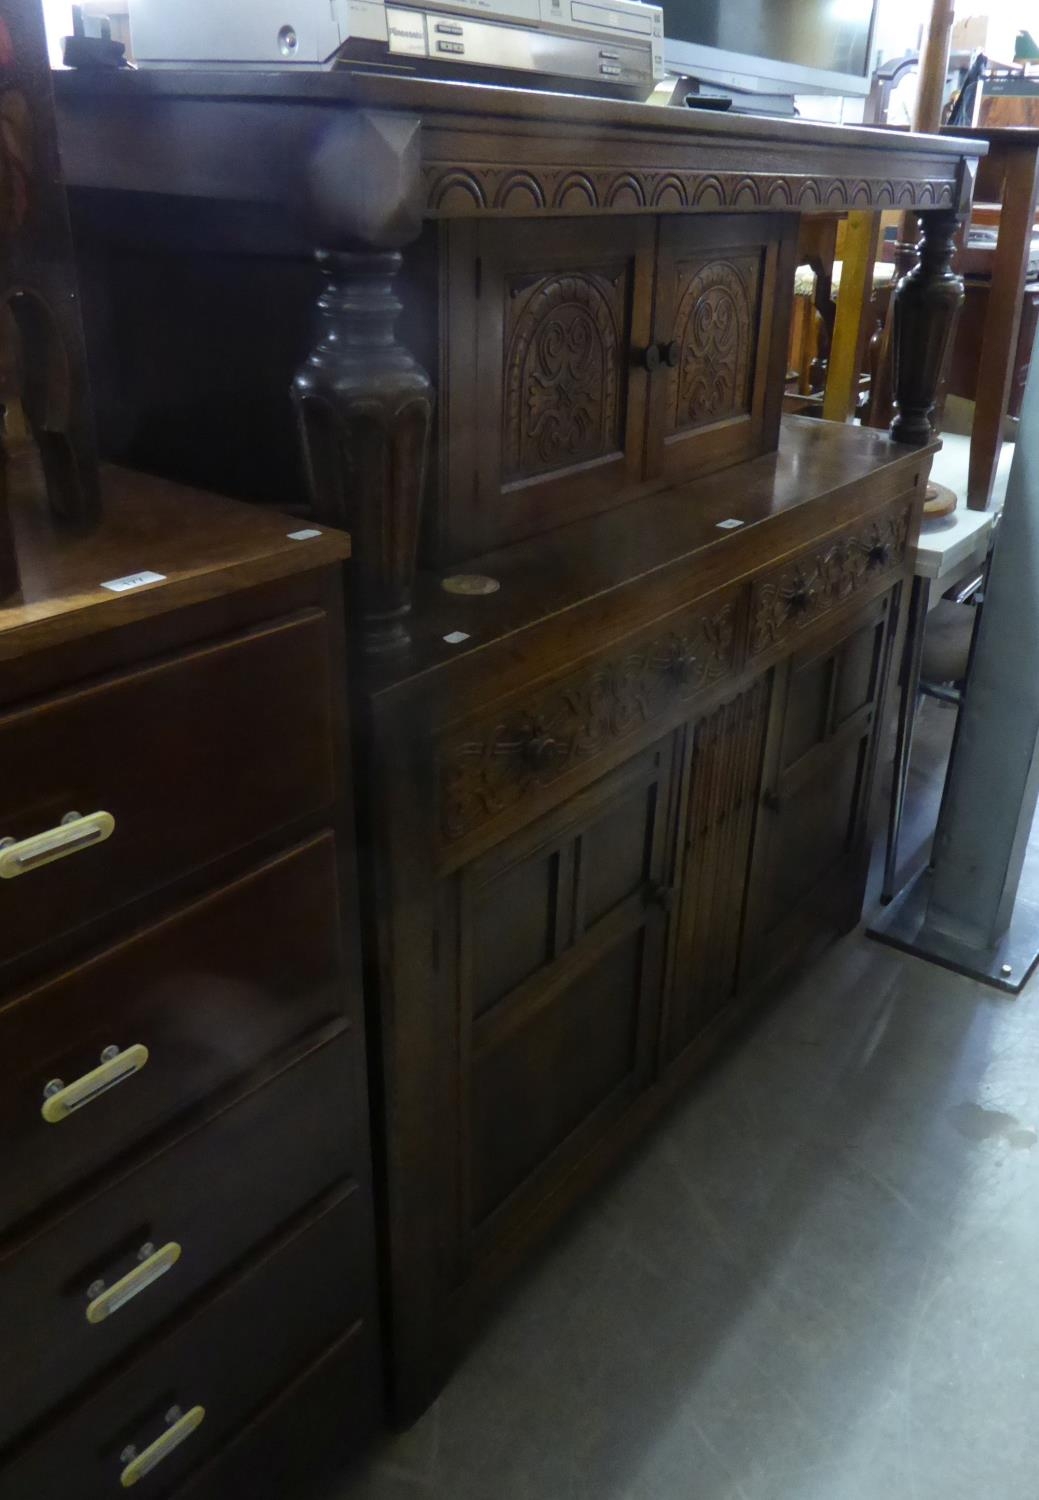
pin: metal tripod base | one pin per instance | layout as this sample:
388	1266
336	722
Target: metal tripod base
1006	967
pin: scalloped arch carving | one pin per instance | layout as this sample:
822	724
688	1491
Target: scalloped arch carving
715	325
562	354
458	189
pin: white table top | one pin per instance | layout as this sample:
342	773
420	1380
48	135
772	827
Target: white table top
953	542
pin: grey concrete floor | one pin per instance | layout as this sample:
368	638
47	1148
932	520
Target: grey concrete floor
817	1280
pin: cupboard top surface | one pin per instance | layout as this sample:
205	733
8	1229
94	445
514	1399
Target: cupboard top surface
436	96
300	141
204	546
641	541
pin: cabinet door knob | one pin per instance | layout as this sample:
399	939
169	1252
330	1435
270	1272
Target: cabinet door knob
143	1463
651	357
72	834
662	896
671	354
63	1099
111	1299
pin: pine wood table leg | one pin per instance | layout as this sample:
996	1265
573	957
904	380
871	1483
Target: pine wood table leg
1020	171
861	238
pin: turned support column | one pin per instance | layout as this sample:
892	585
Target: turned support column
364	403
926	302
365	406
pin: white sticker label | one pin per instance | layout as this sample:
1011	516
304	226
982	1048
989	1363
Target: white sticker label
729	524
456	637
302	536
133	581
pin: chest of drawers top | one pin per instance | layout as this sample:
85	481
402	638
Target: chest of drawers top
200	547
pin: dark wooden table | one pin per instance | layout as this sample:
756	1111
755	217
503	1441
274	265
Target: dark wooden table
1009	176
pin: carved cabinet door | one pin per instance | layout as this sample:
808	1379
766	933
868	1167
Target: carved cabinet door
721	315
559	935
812	847
544	418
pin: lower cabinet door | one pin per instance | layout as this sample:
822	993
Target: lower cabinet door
812	847
561	934
723	777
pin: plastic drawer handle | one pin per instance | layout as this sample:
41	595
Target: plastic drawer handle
62	1100
129	1286
56	843
163	1446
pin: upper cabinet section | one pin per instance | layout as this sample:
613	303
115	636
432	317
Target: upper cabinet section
591	361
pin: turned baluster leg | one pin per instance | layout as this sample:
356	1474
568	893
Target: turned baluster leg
926	302
365	406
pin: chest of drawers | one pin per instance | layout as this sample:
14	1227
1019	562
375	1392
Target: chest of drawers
186	1248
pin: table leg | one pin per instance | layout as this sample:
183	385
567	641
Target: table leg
1002	321
919	599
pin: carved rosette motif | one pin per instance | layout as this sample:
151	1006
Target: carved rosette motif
562	400
456	189
715	329
816	582
498	763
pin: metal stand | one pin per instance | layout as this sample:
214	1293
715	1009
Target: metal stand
964	913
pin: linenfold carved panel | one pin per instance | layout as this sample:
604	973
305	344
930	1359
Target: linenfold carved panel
458	189
495	764
716	329
563	335
818	580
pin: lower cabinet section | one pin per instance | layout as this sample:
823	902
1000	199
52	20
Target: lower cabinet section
593	959
166	1412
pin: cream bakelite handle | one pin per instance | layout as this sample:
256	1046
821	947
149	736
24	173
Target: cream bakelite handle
56	843
127	1287
62	1100
143	1463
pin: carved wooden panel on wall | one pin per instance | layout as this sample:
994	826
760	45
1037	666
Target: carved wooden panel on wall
716	330
795	595
563	399
497	763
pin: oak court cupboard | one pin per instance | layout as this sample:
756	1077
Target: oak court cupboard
622	636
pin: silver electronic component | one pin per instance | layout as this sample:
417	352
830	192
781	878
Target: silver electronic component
598	46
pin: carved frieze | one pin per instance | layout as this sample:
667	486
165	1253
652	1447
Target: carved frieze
818	580
455	189
495	764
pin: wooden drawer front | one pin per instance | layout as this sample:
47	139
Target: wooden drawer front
193	758
210	992
311	1429
507	759
229	1358
791	598
216	1194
